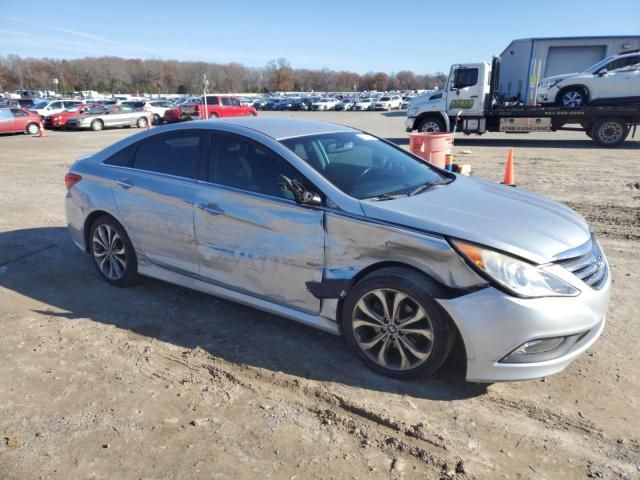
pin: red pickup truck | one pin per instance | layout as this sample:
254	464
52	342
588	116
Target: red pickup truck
217	106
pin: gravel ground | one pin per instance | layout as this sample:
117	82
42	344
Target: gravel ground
159	382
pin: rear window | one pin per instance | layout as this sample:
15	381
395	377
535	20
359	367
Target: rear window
172	154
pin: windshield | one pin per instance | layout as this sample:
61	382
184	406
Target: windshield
598	65
362	165
39	106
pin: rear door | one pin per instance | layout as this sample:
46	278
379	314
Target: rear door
227	109
250	235
20	119
155	182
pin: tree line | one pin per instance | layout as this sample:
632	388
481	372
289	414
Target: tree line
120	75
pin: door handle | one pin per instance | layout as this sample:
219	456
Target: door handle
211	208
124	183
473	96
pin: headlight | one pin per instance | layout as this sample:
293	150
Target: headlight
549	83
516	276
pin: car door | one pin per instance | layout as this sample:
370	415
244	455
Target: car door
20	120
154	185
227	109
6	120
615	80
250	234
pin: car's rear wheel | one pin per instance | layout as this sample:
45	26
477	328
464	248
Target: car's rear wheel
430	124
157	120
142	122
573	97
97	125
610	132
33	129
394	325
112	252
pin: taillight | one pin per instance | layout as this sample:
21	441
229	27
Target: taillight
70	179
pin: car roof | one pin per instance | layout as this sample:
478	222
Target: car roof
281	128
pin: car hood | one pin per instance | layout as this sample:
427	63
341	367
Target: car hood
498	216
559	77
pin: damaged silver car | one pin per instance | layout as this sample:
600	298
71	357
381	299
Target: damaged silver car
346	232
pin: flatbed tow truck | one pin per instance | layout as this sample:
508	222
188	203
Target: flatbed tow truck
470	102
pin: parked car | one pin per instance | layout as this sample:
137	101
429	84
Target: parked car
259	103
325	104
216	106
346	104
156	107
14	120
50	107
99	118
365	104
302	104
615	79
59	120
17	103
388	102
335	228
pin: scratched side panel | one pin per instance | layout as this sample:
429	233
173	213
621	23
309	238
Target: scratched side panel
265	247
353	245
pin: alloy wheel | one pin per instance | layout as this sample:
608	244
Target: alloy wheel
572	99
392	329
109	252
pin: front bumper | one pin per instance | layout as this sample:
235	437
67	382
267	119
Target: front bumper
493	324
546	95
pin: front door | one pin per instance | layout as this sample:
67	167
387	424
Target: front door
250	235
466	90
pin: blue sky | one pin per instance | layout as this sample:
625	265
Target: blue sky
352	35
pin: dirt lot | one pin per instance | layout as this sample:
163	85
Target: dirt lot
157	382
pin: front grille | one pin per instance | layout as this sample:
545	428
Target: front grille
590	267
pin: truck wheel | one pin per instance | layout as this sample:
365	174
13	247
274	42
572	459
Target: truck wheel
610	132
430	124
572	97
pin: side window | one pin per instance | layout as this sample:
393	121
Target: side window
173	154
55	105
235	102
18	113
6	115
465	77
226	101
241	163
212	100
122	158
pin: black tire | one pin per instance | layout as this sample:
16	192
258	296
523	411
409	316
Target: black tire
33	129
609	132
419	292
430	124
572	97
156	119
97	125
142	122
129	275
213	115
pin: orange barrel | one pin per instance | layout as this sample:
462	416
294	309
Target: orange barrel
431	146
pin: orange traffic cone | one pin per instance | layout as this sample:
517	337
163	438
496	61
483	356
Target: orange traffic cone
509	172
41	132
148	124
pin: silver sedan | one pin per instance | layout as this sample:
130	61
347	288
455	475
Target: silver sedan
340	230
102	117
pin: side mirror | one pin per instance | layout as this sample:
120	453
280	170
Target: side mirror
602	72
300	194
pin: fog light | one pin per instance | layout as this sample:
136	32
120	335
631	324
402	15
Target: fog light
543	349
539	346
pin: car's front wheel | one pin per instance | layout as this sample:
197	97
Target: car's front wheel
573	97
33	129
112	252
142	122
392	322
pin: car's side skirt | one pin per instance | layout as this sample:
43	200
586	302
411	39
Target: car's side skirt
201	284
